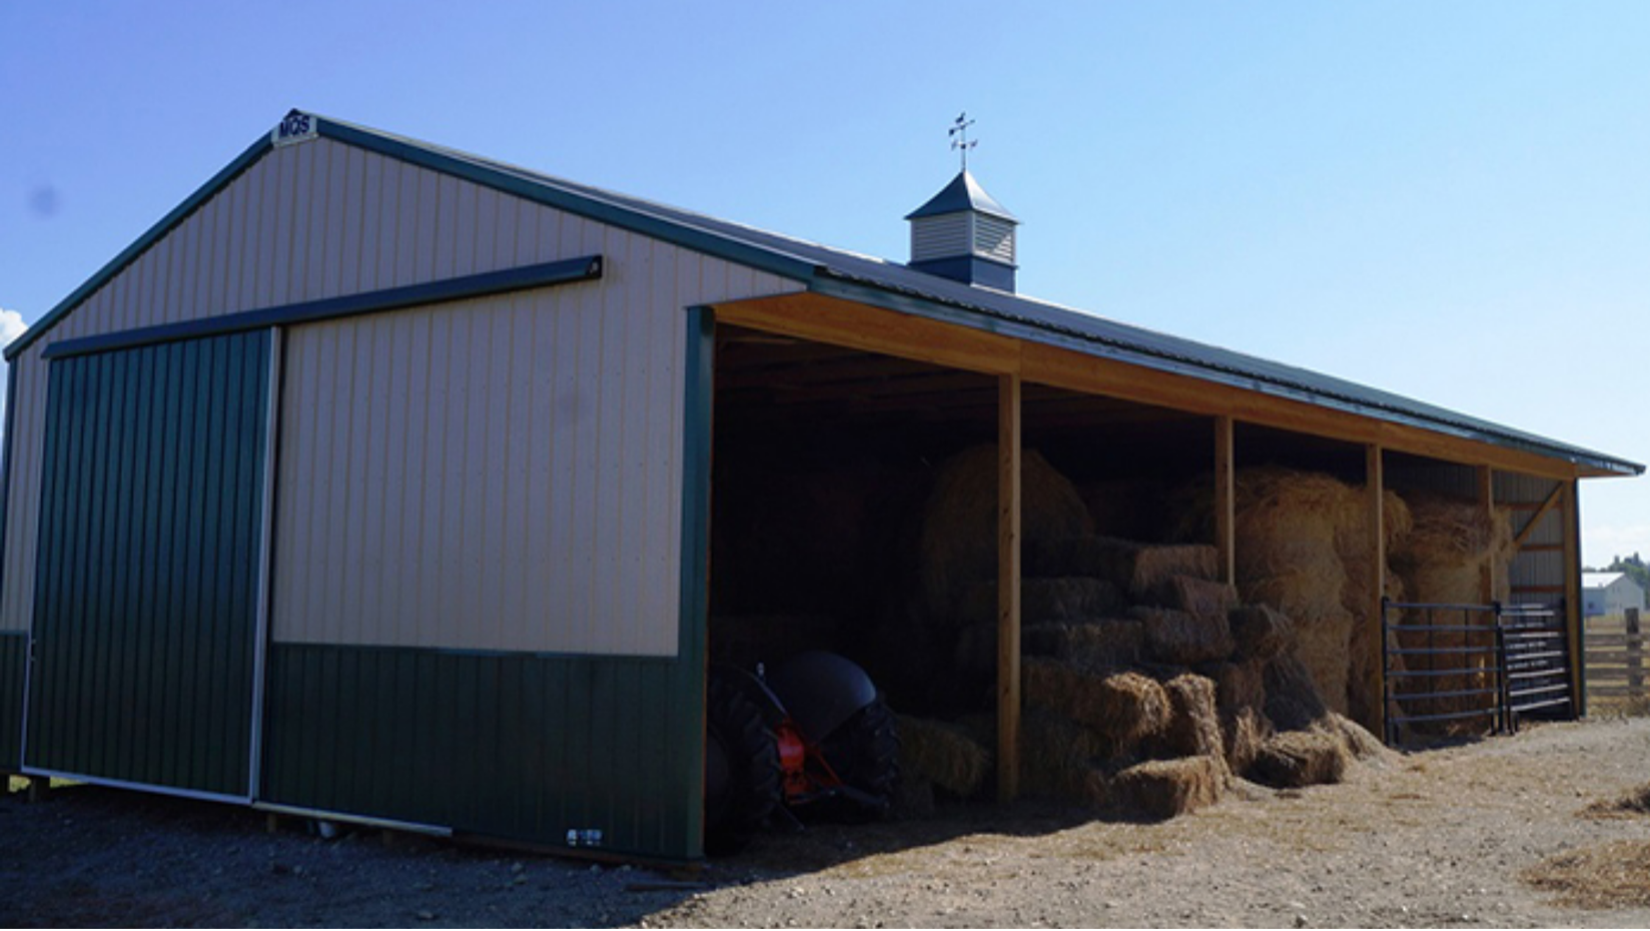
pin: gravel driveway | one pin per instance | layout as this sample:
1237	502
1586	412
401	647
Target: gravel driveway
1436	838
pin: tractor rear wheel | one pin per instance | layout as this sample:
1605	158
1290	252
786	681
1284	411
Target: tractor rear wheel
742	781
864	753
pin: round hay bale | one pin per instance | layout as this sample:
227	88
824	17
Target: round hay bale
957	543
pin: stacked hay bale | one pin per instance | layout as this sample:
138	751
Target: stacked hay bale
1147	685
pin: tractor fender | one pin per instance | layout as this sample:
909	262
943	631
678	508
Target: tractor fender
821	691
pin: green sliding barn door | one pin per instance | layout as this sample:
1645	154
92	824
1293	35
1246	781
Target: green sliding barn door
146	602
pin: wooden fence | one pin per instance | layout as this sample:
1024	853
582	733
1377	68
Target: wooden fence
1615	662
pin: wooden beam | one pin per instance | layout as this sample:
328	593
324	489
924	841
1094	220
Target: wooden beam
1375	620
1008	588
1225	499
1572	595
1540	512
908	336
1485	477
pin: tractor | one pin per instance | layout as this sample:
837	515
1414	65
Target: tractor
811	735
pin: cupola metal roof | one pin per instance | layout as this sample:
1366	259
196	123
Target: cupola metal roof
963	193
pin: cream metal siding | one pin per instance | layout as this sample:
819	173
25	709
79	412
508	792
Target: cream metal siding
317	220
1539	566
497	474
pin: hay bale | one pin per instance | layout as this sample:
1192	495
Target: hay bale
943	754
1451	544
1194	723
1238	685
1057	759
1166	788
1123	707
1259	632
1363	745
1244	730
1135	568
1293	759
1292	699
1184	639
1071	598
1194	596
957	540
1114	642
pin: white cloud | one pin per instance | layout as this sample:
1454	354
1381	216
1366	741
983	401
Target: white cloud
12	326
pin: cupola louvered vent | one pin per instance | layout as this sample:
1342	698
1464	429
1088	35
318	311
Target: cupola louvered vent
964	235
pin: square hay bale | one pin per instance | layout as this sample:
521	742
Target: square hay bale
1194	723
1292	699
1115	642
1245	729
1166	788
1134	568
1238	685
1123	707
1068	598
1260	632
1194	596
1293	759
942	754
1183	639
1057	759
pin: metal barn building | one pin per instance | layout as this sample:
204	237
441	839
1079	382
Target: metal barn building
374	481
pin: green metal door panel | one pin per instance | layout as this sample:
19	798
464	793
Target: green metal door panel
13	653
146	596
513	746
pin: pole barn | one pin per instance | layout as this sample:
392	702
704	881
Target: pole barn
374	482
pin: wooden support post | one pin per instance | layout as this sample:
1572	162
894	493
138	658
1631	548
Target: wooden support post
1572	596
40	789
1008	587
1225	498
1375	621
1488	584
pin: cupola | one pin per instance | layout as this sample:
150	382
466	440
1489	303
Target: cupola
965	235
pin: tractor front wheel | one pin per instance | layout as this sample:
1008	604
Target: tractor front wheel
864	753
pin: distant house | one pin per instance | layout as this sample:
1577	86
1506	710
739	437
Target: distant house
1609	593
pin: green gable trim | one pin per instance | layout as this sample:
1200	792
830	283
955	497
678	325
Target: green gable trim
591	206
128	255
566	271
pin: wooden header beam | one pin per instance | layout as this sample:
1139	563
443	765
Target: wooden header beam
872	329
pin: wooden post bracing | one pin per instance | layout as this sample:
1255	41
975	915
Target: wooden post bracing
1008	587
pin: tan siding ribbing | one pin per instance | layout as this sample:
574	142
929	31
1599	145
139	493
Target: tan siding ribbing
323	219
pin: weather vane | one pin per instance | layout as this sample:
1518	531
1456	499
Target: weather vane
959	136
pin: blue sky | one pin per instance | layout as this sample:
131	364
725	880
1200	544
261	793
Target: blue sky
1447	200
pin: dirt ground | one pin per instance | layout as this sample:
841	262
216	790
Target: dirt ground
1439	838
